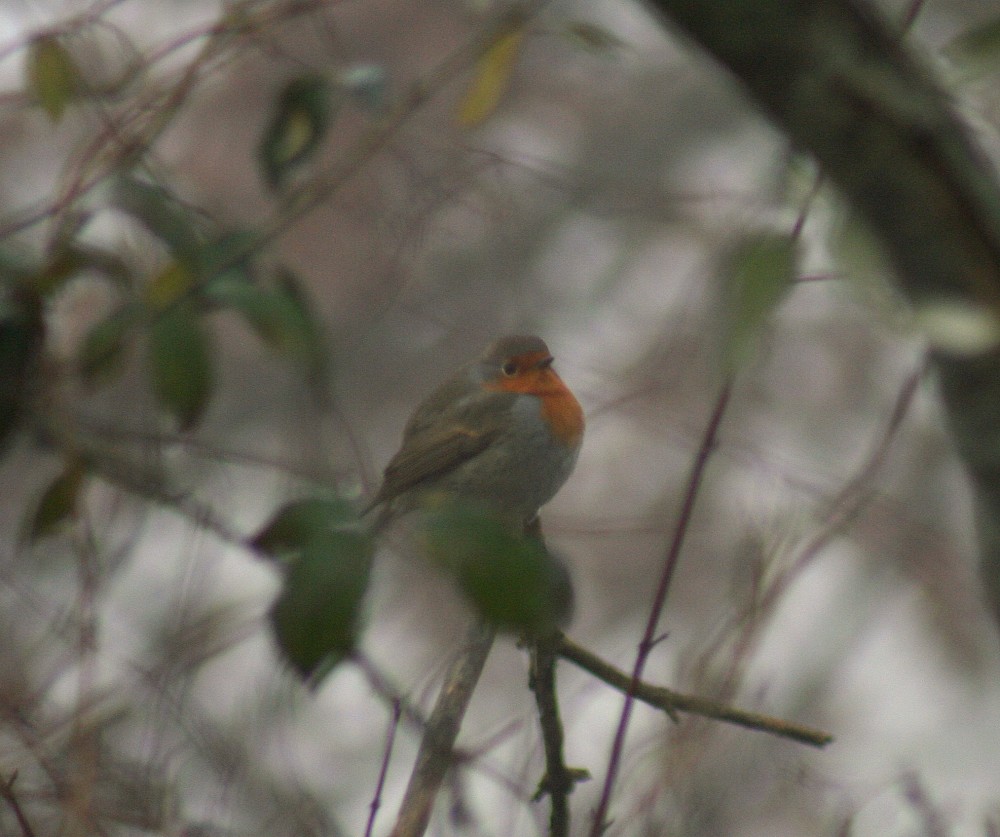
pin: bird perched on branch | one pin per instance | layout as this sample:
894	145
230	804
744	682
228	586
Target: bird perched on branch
504	431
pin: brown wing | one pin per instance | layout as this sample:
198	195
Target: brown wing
433	445
429	454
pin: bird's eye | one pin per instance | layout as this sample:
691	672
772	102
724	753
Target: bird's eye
509	368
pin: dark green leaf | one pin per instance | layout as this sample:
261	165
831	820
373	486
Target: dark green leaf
513	581
180	363
316	616
310	346
57	504
301	117
269	312
53	77
229	256
287	534
103	348
72	259
22	333
757	274
162	214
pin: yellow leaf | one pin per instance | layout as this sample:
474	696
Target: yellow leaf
169	285
492	76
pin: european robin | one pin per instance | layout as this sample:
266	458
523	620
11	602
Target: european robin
503	431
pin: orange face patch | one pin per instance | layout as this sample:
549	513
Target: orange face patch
533	376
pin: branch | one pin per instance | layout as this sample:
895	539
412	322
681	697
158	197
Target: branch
7	792
559	780
672	702
844	87
435	755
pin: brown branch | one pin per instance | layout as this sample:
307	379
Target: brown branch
435	755
672	702
559	780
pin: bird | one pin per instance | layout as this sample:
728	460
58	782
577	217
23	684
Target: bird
503	431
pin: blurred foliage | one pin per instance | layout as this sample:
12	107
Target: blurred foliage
327	565
22	332
512	580
491	79
757	273
303	111
58	502
116	204
53	76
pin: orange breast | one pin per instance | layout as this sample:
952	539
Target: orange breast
559	406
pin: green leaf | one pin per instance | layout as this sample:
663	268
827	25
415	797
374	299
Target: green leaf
162	214
57	504
286	535
301	117
757	273
310	347
275	317
22	333
103	348
976	52
180	363
512	580
71	259
53	77
229	256
317	614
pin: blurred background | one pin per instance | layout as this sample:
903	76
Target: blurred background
828	576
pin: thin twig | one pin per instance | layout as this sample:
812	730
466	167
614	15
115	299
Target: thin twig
7	792
705	450
376	803
435	757
671	702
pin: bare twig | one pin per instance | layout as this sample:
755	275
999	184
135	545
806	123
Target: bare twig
705	450
390	740
672	702
7	792
435	757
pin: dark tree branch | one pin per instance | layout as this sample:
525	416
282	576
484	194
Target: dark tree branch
845	88
559	779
